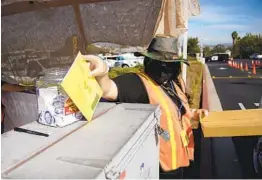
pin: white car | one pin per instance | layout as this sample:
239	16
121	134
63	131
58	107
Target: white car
110	60
128	60
256	56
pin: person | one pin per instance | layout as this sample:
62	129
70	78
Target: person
58	104
46	118
7	87
161	83
49	119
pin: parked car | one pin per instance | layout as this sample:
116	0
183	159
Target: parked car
221	57
128	60
110	60
256	56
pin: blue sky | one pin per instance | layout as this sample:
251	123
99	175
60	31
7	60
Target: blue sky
219	18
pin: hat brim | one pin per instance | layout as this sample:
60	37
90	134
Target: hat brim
160	57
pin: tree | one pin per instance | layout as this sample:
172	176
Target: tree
248	45
207	51
192	45
234	38
218	49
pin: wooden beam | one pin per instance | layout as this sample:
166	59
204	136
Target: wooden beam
80	24
27	6
233	123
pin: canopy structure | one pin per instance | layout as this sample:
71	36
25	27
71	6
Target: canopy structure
41	34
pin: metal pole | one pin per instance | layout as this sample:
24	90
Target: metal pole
184	66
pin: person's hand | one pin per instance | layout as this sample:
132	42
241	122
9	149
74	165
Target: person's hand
197	115
99	69
97	66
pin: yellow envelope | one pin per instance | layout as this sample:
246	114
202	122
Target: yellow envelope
81	87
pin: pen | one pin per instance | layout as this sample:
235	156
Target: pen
30	131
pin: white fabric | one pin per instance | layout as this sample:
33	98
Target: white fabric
175	16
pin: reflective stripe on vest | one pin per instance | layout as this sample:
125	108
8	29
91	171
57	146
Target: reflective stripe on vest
186	117
173	154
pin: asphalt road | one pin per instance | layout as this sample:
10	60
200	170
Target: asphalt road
233	156
235	90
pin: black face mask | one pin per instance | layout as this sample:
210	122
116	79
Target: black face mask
161	72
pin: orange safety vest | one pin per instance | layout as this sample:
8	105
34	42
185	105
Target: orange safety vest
179	149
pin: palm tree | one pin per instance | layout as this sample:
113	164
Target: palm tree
234	37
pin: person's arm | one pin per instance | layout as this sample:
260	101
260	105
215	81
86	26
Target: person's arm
99	70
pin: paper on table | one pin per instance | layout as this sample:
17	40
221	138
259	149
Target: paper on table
81	87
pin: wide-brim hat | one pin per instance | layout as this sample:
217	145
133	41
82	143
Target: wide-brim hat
163	49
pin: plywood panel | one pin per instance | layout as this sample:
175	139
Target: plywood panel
233	123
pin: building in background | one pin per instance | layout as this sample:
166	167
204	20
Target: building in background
228	52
